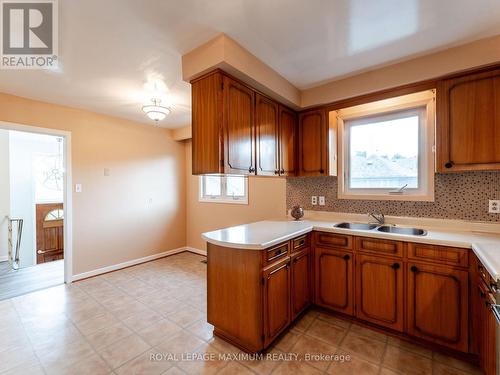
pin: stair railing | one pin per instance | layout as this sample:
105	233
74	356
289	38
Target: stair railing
14	252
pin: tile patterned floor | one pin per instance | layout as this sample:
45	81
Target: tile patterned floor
115	324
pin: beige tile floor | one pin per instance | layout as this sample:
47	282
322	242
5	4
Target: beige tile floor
115	323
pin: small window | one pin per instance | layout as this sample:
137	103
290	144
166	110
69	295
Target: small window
57	214
224	189
387	149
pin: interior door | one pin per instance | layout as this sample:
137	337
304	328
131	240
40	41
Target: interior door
287	142
238	120
267	136
49	232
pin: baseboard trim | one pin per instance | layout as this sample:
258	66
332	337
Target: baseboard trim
196	251
133	262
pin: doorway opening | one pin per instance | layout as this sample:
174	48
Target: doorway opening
33	210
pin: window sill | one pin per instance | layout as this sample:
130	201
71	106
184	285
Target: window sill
387	197
223	201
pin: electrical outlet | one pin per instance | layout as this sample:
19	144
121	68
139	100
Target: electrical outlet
321	200
314	200
494	206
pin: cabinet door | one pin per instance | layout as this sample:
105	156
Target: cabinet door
379	291
438	305
301	281
287	142
468	110
206	99
334	285
313	145
238	115
490	342
266	127
276	300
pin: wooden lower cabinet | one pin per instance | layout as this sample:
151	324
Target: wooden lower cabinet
276	300
300	281
253	296
437	303
334	282
380	291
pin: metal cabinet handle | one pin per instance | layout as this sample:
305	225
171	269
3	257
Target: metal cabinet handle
276	171
448	164
414	269
396	266
251	170
321	171
347	257
282	171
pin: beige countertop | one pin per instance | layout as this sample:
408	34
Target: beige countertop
263	234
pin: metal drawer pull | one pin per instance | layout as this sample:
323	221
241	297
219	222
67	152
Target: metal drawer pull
396	266
300	242
414	269
347	257
276	253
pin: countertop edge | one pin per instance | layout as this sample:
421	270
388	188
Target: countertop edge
475	247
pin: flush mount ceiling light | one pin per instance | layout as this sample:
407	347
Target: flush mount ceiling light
155	111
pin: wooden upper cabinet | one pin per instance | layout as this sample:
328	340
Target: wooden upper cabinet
276	300
266	129
437	304
380	291
468	121
287	137
334	282
313	143
207	146
238	128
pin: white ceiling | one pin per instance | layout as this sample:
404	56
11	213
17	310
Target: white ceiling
111	49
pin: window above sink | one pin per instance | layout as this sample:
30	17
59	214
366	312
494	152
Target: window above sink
386	149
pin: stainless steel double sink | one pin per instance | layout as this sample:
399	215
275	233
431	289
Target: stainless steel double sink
383	228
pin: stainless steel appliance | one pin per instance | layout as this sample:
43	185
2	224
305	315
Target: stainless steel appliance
496	311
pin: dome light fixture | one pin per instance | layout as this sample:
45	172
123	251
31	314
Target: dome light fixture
155	111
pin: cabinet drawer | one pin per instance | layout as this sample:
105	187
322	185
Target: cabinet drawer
438	254
276	253
333	240
379	246
300	243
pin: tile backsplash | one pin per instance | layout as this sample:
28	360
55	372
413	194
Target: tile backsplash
462	196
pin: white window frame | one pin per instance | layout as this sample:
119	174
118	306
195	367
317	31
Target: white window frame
423	103
223	198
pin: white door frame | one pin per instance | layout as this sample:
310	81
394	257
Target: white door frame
67	197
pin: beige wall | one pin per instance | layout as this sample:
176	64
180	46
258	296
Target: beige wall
482	52
267	200
139	209
4	193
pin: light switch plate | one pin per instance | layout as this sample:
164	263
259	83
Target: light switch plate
314	200
494	206
321	200
78	188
